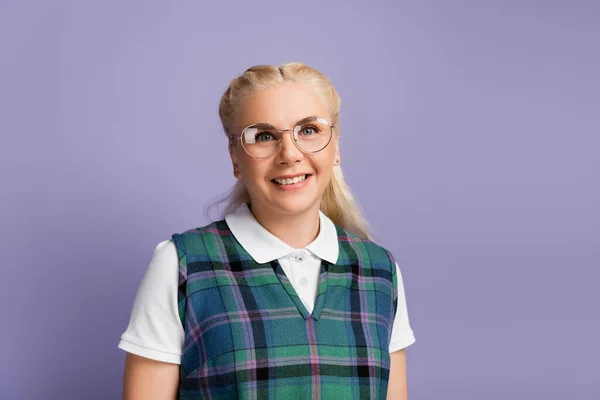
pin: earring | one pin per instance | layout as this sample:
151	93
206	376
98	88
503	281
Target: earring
337	162
236	173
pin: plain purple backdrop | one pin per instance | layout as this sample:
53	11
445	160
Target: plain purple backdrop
470	137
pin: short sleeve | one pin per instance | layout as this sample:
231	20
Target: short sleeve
402	333
154	329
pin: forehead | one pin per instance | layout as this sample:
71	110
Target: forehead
281	105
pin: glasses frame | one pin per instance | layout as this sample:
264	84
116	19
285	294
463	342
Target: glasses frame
280	140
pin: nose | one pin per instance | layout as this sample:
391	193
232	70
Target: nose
288	152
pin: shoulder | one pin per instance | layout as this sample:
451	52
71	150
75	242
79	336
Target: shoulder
194	235
163	247
161	273
351	243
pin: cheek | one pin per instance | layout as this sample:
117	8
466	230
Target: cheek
324	169
255	169
325	163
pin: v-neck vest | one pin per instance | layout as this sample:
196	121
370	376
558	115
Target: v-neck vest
249	336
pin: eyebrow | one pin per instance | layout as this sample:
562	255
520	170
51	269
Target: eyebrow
307	118
265	124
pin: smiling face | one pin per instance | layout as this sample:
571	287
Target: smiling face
283	106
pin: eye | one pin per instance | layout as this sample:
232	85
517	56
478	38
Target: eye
308	130
264	137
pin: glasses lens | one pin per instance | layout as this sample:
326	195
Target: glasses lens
313	134
260	140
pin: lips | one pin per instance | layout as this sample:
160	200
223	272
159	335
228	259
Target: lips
292	185
291	176
291	179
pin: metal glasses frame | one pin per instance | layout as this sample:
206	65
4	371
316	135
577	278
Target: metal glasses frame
280	140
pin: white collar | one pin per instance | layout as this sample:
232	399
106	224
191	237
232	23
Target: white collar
264	247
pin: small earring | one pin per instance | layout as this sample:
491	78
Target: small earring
236	173
337	162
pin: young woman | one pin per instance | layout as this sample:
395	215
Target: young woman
286	297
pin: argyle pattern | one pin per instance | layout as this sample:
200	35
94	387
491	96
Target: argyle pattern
249	336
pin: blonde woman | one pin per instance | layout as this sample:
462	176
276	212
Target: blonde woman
286	297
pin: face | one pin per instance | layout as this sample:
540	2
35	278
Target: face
283	106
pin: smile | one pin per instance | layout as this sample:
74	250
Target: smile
291	181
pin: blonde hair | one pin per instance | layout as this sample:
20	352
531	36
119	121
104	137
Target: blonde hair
338	202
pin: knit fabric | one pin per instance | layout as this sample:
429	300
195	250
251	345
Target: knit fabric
249	336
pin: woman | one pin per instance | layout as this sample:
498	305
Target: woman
286	296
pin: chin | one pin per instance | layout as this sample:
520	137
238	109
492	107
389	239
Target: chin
294	204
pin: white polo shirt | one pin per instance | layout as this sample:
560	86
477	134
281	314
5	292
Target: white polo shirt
155	330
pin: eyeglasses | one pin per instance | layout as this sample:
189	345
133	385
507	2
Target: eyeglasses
311	135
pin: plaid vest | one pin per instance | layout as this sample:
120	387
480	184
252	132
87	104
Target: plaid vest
249	336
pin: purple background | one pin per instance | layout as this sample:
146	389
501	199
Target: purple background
470	138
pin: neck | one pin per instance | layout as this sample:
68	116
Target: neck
296	230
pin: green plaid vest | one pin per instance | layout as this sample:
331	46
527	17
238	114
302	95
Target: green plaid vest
249	336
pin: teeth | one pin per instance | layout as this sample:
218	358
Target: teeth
290	181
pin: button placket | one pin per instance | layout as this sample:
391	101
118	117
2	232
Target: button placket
300	257
299	275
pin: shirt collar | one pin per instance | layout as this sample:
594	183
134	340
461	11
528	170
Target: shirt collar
264	247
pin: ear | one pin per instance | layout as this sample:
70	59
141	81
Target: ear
233	156
234	161
337	159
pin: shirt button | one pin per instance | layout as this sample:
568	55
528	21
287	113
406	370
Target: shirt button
303	281
299	256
